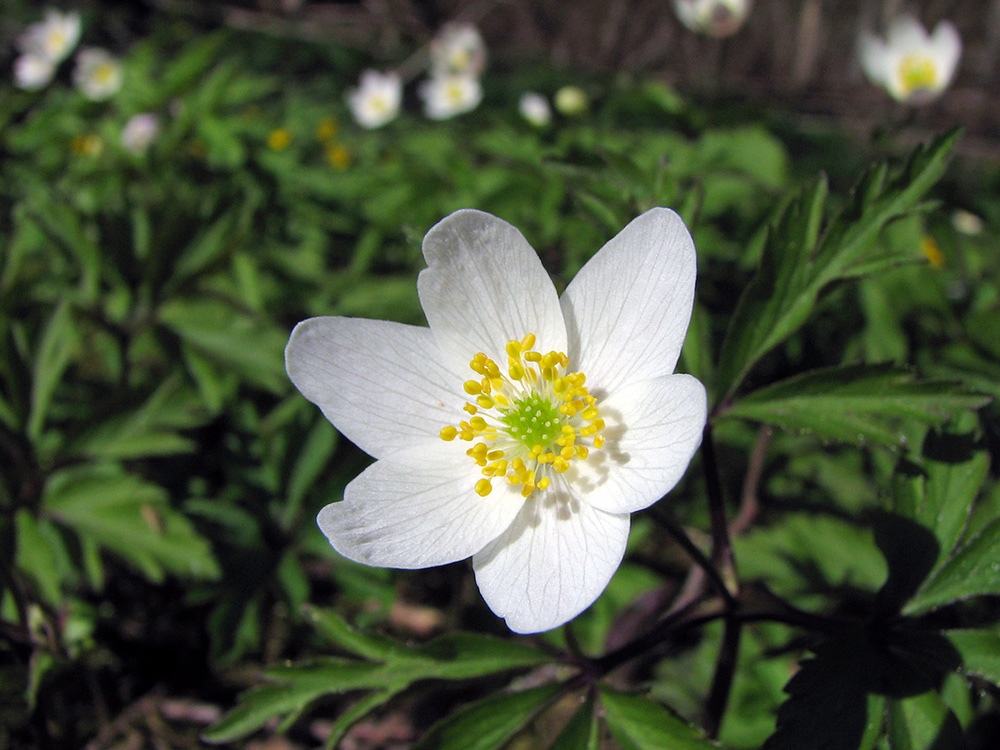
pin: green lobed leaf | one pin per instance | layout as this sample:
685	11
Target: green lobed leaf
923	722
797	265
855	403
974	570
341	634
487	724
938	489
582	731
980	651
451	657
131	518
59	342
640	724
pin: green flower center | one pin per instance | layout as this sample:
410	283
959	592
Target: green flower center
532	421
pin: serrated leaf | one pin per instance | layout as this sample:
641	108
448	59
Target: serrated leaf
923	722
340	634
640	724
980	651
582	731
487	724
455	656
974	570
855	403
938	489
796	265
59	341
131	518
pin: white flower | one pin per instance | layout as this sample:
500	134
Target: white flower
52	39
967	222
449	95
33	72
535	109
139	132
571	101
458	48
377	98
98	74
520	428
912	66
717	18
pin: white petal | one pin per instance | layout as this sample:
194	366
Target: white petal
418	509
947	47
627	311
874	58
381	383
484	286
906	34
552	563
653	429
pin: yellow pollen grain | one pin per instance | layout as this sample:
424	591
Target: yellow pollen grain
448	433
483	487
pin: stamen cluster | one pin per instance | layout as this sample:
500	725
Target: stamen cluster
534	417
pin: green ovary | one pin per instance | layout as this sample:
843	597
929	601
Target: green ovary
533	421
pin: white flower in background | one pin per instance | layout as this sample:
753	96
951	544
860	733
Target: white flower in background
717	18
535	109
571	101
912	66
98	74
52	39
458	48
33	72
967	222
377	98
449	95
520	428
139	132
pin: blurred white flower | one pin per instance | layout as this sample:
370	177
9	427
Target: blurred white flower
911	65
377	98
32	72
449	95
139	132
571	101
535	109
98	74
489	440
967	222
52	39
458	49
717	18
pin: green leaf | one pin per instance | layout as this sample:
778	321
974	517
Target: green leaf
974	570
855	403
939	489
355	713
640	724
923	722
980	650
582	731
131	518
797	265
487	724
340	634
253	348
58	344
455	656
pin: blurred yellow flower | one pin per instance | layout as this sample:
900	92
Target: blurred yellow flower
86	145
326	129
279	139
338	156
932	252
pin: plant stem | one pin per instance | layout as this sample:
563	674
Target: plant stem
722	680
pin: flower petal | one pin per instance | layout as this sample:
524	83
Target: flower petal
552	563
653	429
947	49
874	57
484	286
628	309
418	509
906	34
380	383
